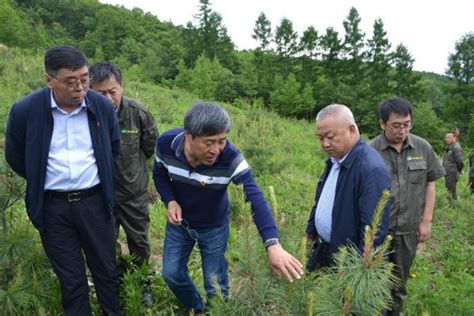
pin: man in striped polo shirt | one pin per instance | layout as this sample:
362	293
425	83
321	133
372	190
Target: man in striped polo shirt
192	171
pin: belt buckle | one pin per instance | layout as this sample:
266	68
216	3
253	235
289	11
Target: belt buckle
73	196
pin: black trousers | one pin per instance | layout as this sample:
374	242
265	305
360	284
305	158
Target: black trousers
72	228
319	256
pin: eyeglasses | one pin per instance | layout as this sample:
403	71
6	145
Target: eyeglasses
192	233
399	126
73	83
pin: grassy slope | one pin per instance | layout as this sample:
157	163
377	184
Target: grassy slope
284	154
287	157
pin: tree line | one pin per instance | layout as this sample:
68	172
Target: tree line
290	73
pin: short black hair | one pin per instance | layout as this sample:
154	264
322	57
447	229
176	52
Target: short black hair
396	105
64	56
103	70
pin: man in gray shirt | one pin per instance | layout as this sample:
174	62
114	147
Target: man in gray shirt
453	162
414	168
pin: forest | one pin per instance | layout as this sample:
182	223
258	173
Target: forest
272	93
292	74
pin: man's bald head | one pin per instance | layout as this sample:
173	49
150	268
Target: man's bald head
336	130
339	111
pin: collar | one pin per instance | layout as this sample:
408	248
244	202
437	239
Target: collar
54	105
347	160
177	145
339	162
408	142
123	104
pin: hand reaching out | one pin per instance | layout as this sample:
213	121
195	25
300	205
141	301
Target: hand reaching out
284	264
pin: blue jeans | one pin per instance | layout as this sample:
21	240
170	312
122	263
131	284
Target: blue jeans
178	245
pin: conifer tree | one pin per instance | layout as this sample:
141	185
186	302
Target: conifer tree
214	41
461	68
379	59
262	32
309	48
263	61
286	44
353	48
331	49
404	78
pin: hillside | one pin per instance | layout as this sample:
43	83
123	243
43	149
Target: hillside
284	153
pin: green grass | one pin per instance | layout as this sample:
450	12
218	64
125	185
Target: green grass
283	153
442	278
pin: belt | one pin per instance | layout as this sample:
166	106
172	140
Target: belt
74	196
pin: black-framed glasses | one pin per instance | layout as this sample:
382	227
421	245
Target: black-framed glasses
192	233
73	83
399	126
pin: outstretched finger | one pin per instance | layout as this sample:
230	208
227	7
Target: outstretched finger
297	266
294	271
286	274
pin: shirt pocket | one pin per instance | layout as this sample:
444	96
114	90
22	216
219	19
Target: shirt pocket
417	171
130	146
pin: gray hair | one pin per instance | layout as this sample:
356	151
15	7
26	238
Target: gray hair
340	111
103	71
206	119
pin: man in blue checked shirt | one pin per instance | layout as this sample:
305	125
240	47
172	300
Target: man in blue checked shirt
192	171
348	190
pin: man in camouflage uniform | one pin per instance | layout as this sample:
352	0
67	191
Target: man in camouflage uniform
414	168
138	136
452	162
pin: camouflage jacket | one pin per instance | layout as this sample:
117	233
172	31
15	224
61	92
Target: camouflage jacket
138	135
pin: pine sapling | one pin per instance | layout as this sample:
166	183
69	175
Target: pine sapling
371	232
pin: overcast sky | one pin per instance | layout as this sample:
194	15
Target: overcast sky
429	28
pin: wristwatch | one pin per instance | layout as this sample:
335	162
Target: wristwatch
271	242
